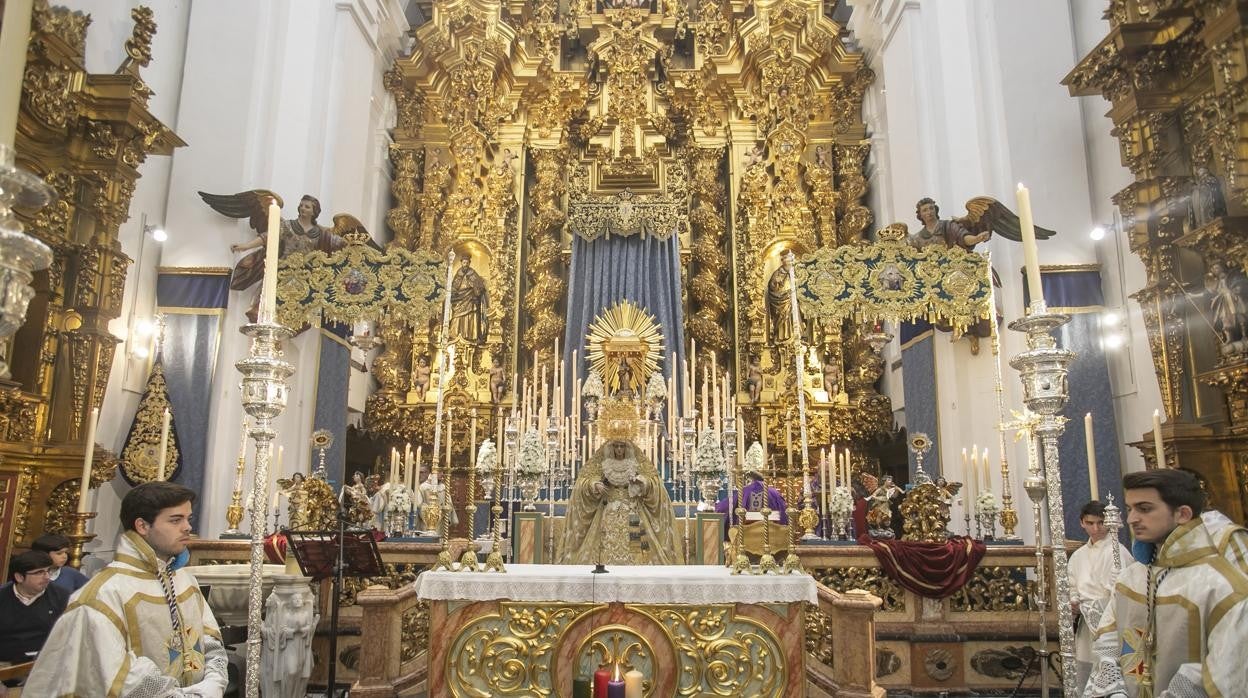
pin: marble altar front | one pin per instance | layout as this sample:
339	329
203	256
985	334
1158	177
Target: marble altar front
692	630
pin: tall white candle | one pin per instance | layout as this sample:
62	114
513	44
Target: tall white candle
1158	447
414	475
272	251
14	33
88	455
162	456
1031	257
1091	444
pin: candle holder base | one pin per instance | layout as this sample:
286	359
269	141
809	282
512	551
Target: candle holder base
79	537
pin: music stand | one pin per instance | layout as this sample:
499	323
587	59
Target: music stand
335	554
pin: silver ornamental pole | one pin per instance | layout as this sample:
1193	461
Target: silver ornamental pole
792	563
264	393
444	365
1043	369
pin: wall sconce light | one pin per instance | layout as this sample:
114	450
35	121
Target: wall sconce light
1097	233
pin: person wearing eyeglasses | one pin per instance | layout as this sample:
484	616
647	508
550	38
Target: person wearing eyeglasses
29	606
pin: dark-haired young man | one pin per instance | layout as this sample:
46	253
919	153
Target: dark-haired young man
1092	578
28	607
1177	622
57	547
141	625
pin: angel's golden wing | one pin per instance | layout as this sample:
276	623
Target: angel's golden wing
984	213
252	205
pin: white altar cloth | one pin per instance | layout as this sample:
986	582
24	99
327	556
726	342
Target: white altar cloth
651	584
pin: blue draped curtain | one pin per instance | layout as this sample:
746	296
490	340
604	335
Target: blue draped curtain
1078	293
643	270
333	385
193	305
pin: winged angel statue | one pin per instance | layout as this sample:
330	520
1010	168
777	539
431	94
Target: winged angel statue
984	216
300	234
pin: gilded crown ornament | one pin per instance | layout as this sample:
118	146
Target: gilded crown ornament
617	420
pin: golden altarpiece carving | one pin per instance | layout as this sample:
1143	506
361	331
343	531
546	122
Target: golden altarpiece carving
1176	75
85	134
736	124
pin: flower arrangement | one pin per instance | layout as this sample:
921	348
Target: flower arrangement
400	499
593	387
532	459
656	389
754	458
986	503
487	457
840	502
709	459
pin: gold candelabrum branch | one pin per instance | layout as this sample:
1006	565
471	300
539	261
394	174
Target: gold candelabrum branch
234	512
445	362
468	561
494	561
740	561
1009	516
264	396
79	537
1043	369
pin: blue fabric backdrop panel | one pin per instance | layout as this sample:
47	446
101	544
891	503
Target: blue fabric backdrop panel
1079	294
918	371
644	270
193	307
333	382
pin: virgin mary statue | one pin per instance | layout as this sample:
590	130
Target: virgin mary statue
619	512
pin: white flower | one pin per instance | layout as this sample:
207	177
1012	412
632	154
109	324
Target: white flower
400	499
487	457
532	460
709	459
754	457
656	389
840	502
593	386
986	503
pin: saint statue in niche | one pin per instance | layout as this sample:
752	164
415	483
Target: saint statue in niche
470	302
1207	202
1228	289
779	303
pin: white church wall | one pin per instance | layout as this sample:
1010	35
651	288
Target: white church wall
1136	392
281	95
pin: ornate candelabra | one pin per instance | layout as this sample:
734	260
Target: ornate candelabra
494	561
554	476
234	512
1113	524
446	361
1034	484
807	519
20	254
1009	517
264	393
79	537
689	434
1043	369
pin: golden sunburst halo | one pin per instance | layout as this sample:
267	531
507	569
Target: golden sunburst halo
624	333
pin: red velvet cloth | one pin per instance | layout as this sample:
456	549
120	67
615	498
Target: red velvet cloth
275	548
934	570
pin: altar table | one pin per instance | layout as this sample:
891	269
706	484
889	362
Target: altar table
691	630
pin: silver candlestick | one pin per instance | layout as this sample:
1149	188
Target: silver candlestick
20	254
1035	486
264	393
1043	369
1113	524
